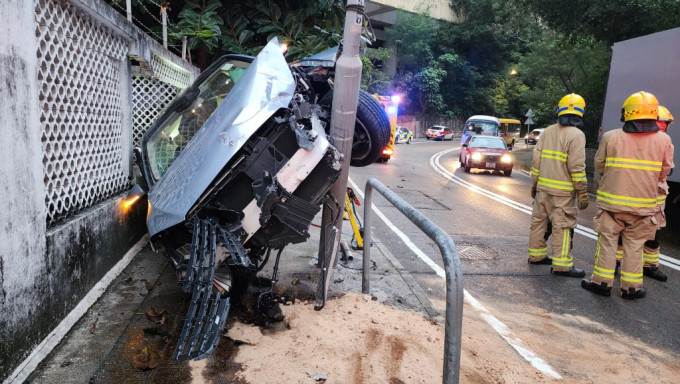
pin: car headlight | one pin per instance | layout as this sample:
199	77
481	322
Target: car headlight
476	156
506	158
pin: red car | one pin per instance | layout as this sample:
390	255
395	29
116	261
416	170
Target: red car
486	152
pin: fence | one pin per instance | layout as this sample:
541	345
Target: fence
81	85
452	268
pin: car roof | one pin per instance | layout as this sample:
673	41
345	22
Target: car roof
437	127
483	118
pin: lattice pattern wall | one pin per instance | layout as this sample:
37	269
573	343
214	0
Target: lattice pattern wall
170	73
150	96
80	102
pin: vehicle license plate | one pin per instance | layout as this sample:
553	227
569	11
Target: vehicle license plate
491	165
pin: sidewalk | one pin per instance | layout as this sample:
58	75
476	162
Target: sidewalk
100	348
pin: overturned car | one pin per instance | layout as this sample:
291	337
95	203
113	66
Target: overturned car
238	166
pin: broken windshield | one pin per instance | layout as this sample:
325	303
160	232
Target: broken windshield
188	114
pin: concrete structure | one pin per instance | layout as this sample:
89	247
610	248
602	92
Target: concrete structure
66	118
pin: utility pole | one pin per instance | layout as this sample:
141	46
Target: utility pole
343	117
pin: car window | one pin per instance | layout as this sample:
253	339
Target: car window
536	132
487	142
187	117
481	127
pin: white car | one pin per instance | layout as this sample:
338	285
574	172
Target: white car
439	132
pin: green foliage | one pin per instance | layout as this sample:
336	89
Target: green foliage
200	23
307	27
373	79
608	20
560	65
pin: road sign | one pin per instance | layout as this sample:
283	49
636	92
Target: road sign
530	114
529	121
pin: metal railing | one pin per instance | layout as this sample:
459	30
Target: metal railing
454	275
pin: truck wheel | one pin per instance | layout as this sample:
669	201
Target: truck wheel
371	131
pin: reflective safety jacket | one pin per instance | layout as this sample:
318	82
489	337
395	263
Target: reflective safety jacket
559	164
634	167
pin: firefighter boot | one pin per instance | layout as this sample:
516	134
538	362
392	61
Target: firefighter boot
573	272
654	272
544	261
632	294
600	289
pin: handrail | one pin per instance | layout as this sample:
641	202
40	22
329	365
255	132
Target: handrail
454	275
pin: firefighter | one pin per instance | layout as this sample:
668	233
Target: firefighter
634	162
558	185
650	252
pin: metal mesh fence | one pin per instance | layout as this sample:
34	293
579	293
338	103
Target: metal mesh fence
150	96
80	109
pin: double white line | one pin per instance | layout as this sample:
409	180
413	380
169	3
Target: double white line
580	229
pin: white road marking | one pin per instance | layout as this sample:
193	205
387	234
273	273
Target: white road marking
496	324
580	229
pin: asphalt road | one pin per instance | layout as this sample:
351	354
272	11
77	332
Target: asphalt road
488	217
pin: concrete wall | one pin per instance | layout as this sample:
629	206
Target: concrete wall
22	235
438	9
45	272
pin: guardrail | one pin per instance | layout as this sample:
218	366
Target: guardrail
454	274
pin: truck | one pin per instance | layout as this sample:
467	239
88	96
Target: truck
647	63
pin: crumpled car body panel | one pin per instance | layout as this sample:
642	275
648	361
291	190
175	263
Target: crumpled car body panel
266	86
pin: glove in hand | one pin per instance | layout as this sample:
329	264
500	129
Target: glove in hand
582	196
533	191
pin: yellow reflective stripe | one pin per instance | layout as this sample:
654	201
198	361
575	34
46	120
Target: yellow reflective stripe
578	176
650	257
534	171
548	154
623	159
557	184
621	162
564	260
604	273
554	157
661	200
631	277
538	251
626	200
619	255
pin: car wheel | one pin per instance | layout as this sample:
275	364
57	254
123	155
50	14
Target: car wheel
427	137
371	130
507	172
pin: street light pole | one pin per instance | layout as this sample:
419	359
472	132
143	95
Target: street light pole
345	99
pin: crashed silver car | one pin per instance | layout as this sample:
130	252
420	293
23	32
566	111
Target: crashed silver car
238	166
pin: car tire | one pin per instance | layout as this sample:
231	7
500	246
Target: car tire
371	131
507	173
427	137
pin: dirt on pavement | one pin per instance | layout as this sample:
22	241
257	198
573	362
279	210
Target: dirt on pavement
358	340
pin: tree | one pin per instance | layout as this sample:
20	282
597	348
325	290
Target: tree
559	65
215	27
608	20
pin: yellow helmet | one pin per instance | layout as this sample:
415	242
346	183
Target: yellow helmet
639	106
665	114
571	104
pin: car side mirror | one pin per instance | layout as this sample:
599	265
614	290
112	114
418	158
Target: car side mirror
465	145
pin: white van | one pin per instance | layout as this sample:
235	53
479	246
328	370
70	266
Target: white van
480	125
